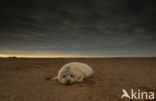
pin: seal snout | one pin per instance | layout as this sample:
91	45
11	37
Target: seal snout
68	82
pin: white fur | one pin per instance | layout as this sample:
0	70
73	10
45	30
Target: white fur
80	71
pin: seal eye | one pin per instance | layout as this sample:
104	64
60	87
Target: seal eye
64	76
71	75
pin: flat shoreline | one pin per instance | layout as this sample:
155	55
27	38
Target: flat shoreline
28	79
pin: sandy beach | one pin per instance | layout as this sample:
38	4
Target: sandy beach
28	79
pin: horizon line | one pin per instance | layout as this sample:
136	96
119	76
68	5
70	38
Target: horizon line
74	56
80	57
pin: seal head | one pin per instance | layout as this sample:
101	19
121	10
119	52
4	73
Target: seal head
66	76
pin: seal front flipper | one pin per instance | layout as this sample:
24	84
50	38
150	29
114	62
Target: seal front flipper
54	78
81	78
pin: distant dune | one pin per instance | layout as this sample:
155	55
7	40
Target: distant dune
28	79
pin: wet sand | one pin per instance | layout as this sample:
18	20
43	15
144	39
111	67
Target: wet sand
24	79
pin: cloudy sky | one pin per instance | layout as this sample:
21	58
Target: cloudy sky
73	28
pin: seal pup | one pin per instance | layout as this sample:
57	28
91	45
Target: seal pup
73	72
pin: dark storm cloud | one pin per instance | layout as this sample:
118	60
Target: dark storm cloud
86	27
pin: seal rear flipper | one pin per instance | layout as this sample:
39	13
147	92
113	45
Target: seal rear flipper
54	78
